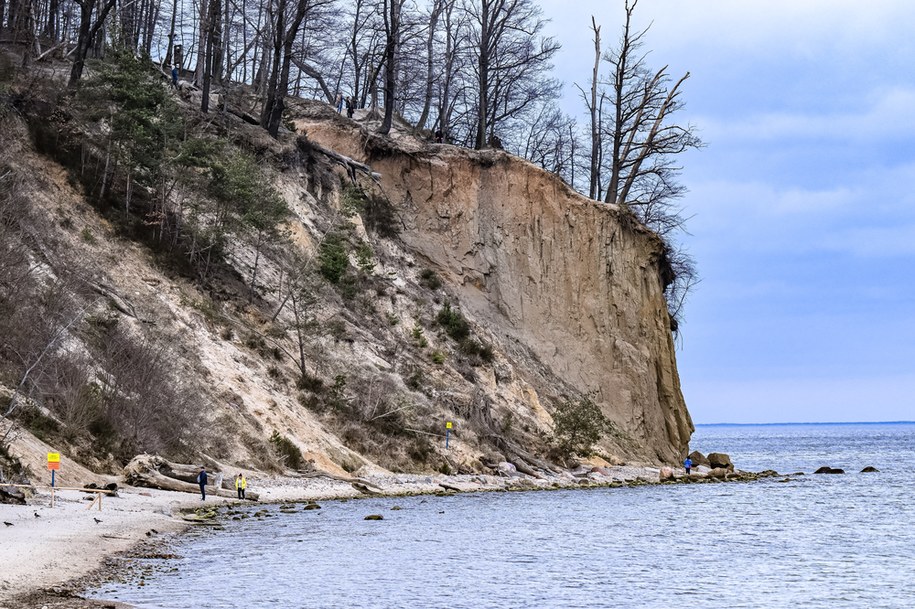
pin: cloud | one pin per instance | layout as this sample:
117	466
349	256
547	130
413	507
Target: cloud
888	115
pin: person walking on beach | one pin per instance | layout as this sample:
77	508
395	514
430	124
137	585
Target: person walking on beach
687	465
202	481
241	483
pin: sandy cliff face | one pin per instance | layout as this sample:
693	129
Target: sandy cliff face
576	283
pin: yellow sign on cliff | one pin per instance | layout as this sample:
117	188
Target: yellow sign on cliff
53	457
448	425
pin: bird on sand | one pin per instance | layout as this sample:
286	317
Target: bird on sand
37	515
9	524
96	520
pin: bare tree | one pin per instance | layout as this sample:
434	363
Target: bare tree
392	22
510	59
88	29
642	141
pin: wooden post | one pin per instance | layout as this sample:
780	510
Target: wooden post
52	496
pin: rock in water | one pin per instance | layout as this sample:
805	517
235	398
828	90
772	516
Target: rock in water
311	505
829	470
717	460
870	469
374	517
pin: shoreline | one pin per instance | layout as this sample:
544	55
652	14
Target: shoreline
50	559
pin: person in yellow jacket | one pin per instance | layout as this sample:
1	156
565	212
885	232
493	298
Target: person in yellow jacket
241	483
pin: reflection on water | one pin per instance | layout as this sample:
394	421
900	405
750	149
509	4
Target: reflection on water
814	542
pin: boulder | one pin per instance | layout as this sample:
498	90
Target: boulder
829	470
718	460
870	469
666	473
719	472
507	469
374	517
698	459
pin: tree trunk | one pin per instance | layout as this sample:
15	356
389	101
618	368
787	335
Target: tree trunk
595	127
430	65
483	70
392	27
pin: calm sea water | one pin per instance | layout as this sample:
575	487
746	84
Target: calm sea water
823	541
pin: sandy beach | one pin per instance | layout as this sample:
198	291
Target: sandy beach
45	551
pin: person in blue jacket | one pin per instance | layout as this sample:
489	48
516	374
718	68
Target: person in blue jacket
687	465
202	481
175	76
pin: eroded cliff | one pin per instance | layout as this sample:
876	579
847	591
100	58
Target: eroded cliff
579	284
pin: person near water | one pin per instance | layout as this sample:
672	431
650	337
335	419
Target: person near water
175	76
687	464
350	107
202	481
241	483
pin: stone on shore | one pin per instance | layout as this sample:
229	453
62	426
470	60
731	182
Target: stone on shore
698	459
719	460
666	473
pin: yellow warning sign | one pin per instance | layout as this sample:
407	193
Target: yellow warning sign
448	425
53	457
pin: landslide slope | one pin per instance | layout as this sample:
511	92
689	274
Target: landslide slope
556	298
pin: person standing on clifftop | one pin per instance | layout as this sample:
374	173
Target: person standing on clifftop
202	481
687	465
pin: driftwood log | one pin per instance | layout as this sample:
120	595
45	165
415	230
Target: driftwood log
10	494
152	471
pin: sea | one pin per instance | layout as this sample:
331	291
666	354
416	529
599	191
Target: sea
800	541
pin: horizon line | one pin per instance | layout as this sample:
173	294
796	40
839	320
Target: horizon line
805	423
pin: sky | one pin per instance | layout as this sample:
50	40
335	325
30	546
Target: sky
802	203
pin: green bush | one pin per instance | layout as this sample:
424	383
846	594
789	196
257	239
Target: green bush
453	322
287	450
429	279
578	425
333	257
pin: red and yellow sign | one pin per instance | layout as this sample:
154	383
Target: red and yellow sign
53	461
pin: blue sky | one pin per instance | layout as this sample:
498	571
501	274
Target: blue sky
803	200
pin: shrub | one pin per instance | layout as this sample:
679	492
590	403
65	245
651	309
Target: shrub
578	425
438	357
365	258
419	337
287	450
333	258
453	322
428	279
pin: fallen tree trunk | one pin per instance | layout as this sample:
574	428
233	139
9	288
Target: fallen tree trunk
152	471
